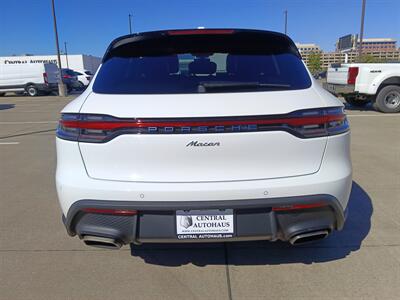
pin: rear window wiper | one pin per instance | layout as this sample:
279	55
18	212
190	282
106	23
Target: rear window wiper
204	86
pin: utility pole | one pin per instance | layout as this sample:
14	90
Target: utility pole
66	54
130	23
61	88
286	22
361	29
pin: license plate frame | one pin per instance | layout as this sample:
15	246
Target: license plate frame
205	224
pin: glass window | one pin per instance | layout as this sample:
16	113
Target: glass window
203	66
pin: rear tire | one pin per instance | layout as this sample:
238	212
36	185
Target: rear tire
81	86
388	99
32	91
353	101
2	94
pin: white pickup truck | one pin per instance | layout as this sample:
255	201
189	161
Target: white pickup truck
360	83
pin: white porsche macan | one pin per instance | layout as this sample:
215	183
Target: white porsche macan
203	135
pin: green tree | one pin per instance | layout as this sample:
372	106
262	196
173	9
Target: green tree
368	58
314	62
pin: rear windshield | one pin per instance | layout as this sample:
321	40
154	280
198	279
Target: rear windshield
69	72
202	65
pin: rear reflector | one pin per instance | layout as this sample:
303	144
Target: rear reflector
200	31
115	212
352	75
299	206
303	124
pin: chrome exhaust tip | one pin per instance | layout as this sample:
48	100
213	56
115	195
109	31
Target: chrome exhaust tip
308	237
101	242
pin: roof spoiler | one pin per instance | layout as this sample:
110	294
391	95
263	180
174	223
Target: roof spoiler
143	36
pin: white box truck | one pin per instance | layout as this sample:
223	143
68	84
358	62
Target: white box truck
76	62
33	79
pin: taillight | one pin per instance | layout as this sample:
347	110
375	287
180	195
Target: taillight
299	206
45	78
67	76
352	75
310	123
323	122
108	211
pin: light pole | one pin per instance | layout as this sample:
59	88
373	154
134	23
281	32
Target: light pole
66	54
286	22
130	23
361	30
61	89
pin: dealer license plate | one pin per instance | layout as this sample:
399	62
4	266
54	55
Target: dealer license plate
205	224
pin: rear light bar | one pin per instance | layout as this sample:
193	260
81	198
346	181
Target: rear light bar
309	123
299	206
45	78
105	211
200	31
352	75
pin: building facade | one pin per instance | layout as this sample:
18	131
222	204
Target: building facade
370	45
383	49
377	45
307	49
329	58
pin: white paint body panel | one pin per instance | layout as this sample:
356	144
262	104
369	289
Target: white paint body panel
333	178
166	158
202	105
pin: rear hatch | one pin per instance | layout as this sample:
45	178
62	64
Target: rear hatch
192	110
337	75
52	73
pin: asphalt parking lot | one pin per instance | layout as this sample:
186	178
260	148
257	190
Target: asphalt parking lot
38	260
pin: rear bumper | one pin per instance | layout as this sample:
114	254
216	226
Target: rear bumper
339	89
254	219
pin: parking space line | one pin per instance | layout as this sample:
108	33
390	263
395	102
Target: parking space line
28	122
386	115
9	143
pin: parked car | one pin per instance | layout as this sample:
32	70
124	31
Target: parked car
84	78
362	83
320	75
243	144
33	79
70	79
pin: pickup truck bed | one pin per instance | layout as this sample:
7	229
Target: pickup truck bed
363	83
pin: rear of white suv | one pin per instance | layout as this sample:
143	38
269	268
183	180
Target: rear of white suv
203	135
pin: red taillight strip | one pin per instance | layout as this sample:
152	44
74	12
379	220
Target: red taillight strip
352	75
110	125
299	206
200	31
115	212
